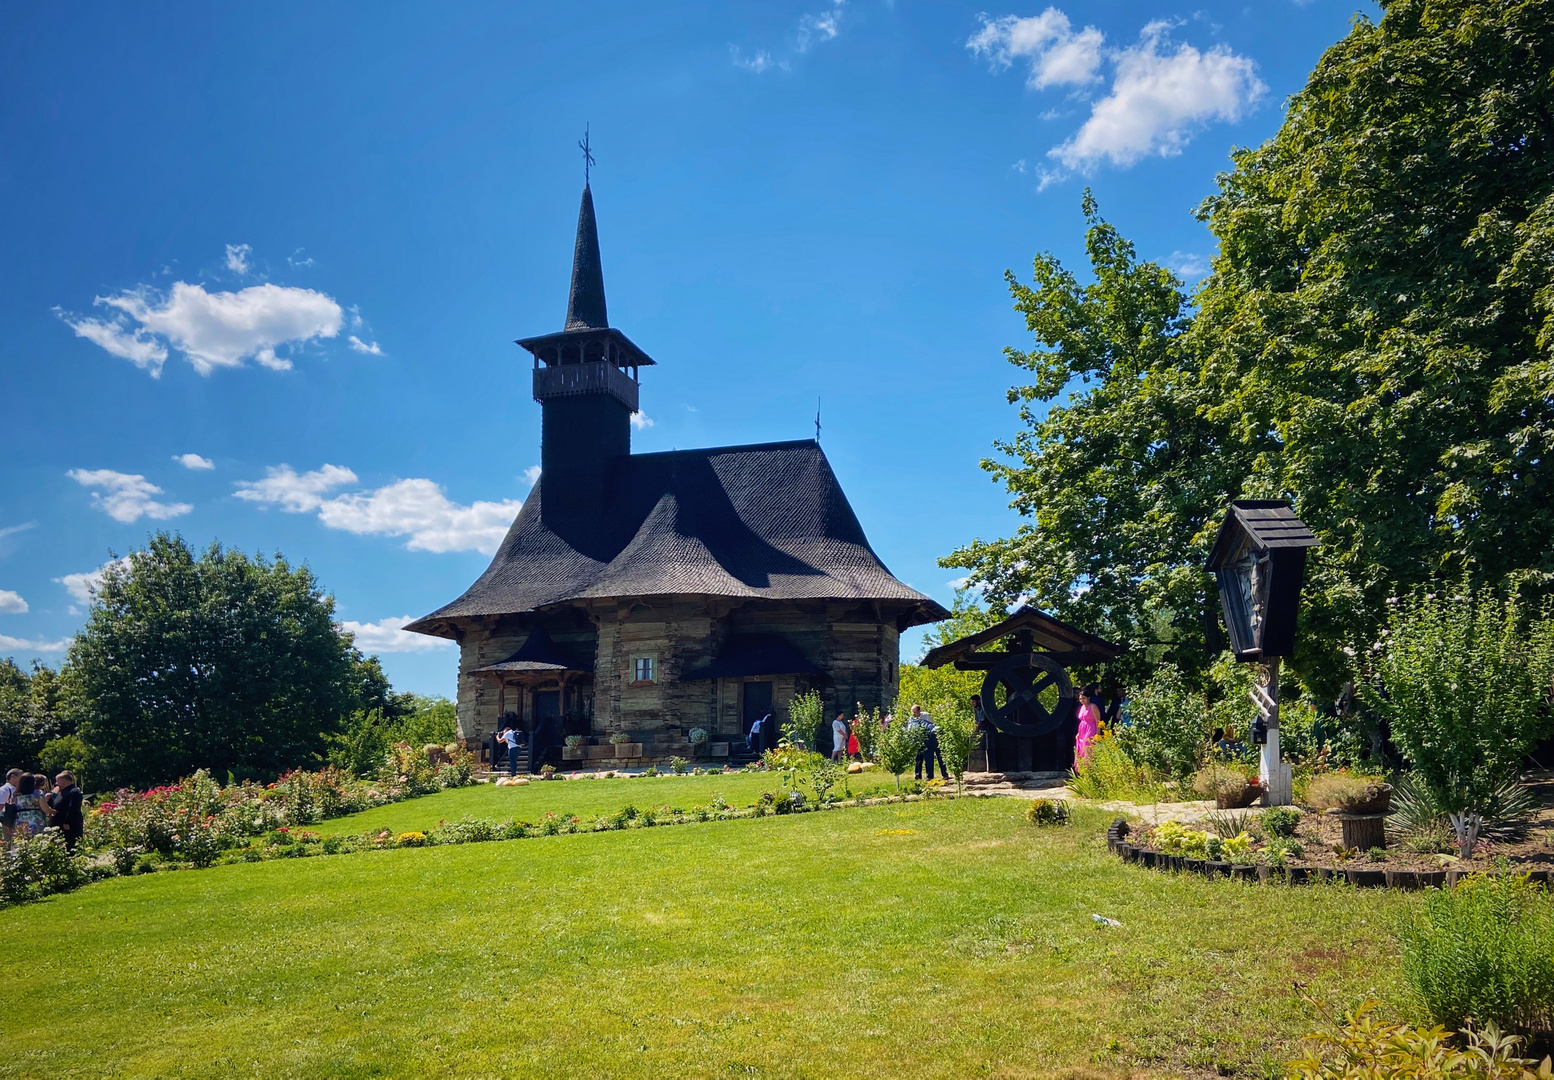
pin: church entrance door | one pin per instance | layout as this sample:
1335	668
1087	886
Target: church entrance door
757	703
547	704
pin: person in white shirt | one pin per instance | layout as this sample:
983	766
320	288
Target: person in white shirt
8	805
839	737
510	737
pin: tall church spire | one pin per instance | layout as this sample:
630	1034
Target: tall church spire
585	303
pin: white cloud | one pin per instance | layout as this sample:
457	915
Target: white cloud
761	61
386	636
532	475
126	497
1159	98
11	603
818	28
237	258
293	260
1188	265
420	510
292	493
24	645
415	508
83	587
145	352
1058	56
194	461
362	347
959	583
640	420
212	330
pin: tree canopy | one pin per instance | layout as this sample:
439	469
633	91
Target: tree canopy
1375	342
216	661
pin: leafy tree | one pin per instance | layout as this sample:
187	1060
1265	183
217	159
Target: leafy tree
1169	730
363	746
216	661
1464	682
1376	343
899	745
35	707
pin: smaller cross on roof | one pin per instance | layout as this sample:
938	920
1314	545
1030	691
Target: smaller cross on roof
588	157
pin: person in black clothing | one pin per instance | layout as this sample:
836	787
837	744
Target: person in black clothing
64	808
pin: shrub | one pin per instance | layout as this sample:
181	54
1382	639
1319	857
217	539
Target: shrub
1362	1048
1484	950
805	715
1047	812
573	741
679	765
1108	773
1462	680
1341	790
699	736
38	866
1170	729
1281	821
619	738
651	770
899	745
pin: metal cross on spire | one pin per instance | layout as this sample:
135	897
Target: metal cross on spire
588	157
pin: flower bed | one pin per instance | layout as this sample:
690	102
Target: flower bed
1292	846
40	867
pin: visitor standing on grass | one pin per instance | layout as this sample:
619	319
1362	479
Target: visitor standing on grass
838	737
853	750
64	809
930	749
1089	723
8	804
510	737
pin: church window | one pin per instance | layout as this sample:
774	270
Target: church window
643	669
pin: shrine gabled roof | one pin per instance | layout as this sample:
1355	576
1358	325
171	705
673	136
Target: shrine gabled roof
1271	523
1047	635
767	521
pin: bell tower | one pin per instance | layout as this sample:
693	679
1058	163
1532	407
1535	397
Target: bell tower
586	381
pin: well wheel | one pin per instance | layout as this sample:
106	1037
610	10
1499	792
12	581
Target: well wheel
1024	677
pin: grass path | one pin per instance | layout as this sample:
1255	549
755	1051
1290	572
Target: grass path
923	939
588	799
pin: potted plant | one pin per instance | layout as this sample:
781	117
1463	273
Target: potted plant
699	738
572	750
1232	787
1348	793
624	747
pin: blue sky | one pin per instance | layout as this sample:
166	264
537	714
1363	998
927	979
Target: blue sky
261	266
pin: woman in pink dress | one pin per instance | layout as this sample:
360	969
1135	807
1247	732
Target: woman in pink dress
1089	724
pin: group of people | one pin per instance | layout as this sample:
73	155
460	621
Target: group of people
30	803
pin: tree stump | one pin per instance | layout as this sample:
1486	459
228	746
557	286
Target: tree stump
1364	831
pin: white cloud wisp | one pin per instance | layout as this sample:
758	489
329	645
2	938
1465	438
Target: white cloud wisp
126	497
212	330
387	636
83	587
1161	93
11	603
415	508
194	461
16	644
1159	99
1058	56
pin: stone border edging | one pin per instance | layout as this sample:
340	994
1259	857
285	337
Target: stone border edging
1371	877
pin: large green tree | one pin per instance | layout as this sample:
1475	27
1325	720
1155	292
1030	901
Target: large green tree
1374	343
217	661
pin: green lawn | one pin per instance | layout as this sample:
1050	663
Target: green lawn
943	938
588	799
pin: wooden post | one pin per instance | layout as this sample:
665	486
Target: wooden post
1275	772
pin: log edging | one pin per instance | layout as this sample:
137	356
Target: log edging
1363	877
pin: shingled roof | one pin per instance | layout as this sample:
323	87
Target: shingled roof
766	521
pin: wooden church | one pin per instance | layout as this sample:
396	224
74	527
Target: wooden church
652	594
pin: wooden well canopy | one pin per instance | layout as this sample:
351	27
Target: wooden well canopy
1066	644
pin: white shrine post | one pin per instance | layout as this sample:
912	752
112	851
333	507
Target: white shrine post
1272	768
